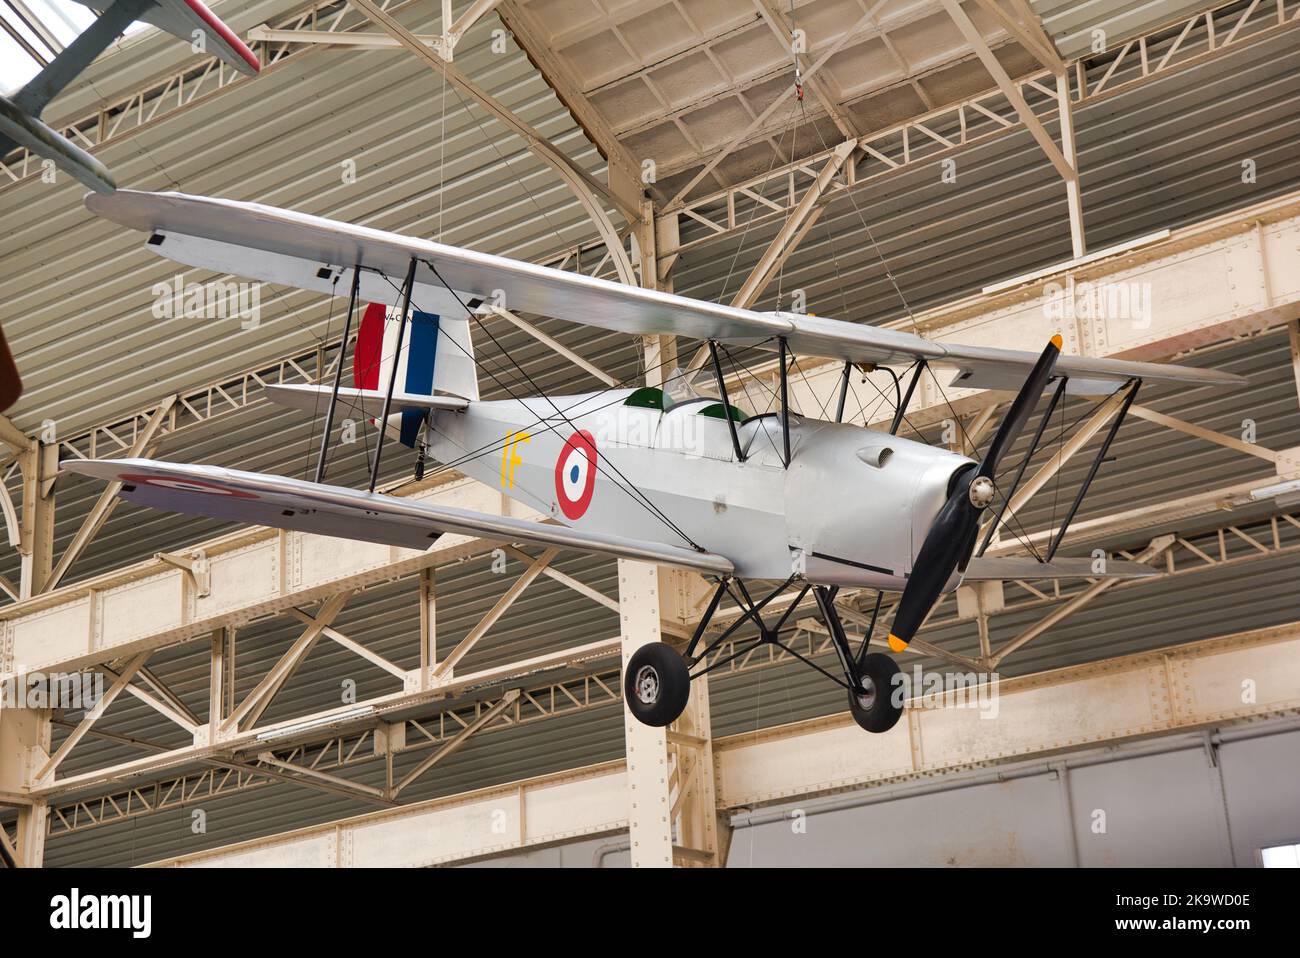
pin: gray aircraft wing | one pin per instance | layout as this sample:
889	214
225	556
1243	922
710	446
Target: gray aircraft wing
185	18
309	252
283	503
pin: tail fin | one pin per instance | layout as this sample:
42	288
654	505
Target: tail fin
437	353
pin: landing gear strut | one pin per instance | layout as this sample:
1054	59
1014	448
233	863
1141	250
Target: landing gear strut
657	680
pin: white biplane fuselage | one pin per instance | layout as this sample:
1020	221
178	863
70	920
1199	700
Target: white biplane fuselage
852	508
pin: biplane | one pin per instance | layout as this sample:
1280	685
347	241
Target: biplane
20	115
777	499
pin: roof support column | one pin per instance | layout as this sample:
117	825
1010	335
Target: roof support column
1293	329
1062	158
428	625
660	350
590	193
39	464
703	836
649	818
672	804
1073	193
25	746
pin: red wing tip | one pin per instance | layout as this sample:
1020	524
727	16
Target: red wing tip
226	34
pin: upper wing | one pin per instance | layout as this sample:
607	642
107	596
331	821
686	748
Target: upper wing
283	503
309	252
181	18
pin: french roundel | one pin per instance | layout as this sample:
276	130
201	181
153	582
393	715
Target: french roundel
575	474
186	485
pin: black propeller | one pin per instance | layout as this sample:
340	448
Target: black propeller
951	539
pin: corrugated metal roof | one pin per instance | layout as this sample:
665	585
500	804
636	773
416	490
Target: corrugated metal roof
1071	23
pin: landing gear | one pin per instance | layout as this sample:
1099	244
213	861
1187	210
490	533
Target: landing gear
878	707
656	684
657	680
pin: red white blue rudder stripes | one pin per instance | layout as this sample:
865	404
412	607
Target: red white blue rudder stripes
437	353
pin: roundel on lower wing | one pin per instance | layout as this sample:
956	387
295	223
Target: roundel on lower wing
186	485
575	474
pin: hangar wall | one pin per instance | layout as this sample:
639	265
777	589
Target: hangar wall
1202	799
1189	800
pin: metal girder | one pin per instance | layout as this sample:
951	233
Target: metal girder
257	701
808	75
537	702
1009	89
374	658
554	344
107	500
1157	548
120	683
774	18
39	465
796	226
584	186
624	172
1025	27
486	716
979	118
600	686
1147	694
444	669
14	437
1209	435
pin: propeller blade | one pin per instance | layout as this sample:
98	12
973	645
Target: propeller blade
951	539
1022	408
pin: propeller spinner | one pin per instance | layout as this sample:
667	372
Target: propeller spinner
951	539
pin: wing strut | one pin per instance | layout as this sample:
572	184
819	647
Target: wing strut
726	405
902	405
338	375
1092	470
407	288
844	390
785	400
1020	473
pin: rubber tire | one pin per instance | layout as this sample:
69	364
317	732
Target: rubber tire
674	684
882	715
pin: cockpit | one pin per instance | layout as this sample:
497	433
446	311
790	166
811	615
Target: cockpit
698	426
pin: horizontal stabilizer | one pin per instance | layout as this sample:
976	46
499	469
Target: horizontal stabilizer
1027	567
366	402
283	503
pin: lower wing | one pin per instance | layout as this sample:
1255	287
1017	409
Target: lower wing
283	503
1027	567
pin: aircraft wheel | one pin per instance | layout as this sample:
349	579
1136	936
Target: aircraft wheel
656	684
876	711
